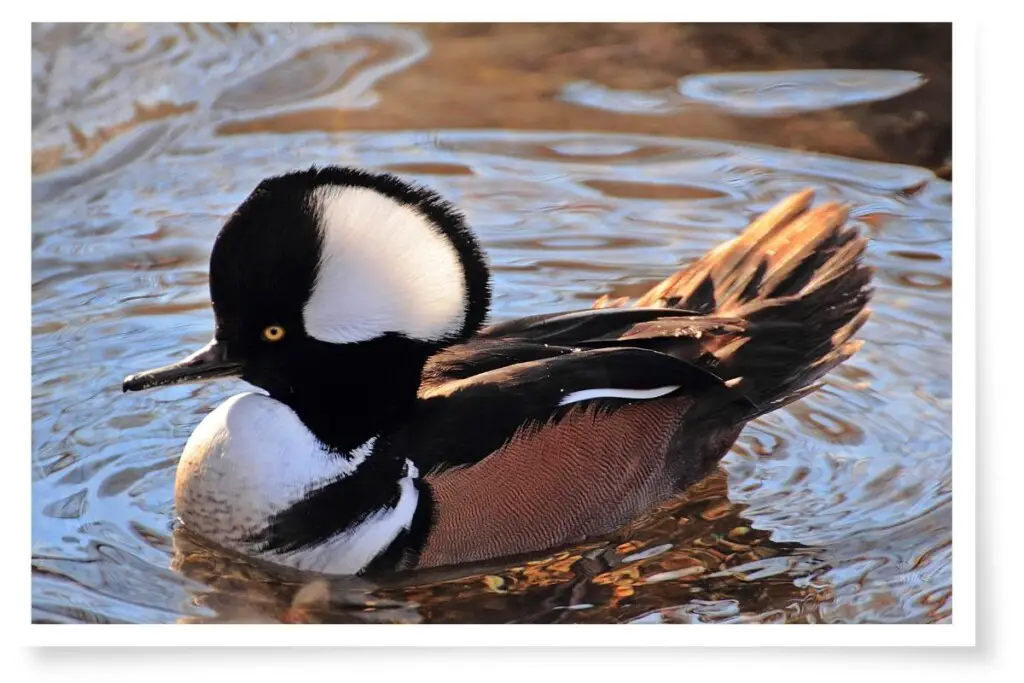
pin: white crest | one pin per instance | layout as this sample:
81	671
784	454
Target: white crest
384	268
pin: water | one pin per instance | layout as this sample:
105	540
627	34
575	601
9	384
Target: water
837	509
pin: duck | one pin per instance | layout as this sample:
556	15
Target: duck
391	429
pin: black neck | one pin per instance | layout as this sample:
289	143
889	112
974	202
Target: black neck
347	394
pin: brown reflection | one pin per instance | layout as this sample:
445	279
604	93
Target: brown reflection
428	169
239	589
166	308
932	281
916	255
47	159
829	427
697	547
510	76
630	190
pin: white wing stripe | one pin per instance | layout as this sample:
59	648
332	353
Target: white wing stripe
587	394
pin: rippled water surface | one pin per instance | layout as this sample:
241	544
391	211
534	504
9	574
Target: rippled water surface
836	509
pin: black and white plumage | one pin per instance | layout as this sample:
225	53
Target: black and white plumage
396	433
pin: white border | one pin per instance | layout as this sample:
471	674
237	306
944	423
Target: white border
961	632
472	635
965	322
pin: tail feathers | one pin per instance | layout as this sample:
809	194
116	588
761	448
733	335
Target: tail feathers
795	282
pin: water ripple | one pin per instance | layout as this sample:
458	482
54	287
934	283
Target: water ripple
761	94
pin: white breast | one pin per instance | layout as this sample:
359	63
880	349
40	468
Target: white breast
253	457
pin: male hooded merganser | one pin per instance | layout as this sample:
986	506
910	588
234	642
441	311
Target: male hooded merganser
395	433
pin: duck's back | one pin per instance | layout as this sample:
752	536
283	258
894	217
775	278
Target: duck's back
543	431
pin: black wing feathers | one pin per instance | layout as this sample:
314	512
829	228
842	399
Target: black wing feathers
462	421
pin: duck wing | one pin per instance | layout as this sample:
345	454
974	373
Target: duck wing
773	309
513	386
551	450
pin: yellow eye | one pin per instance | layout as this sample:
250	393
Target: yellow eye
273	333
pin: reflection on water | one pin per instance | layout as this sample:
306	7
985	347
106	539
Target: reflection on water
837	509
768	93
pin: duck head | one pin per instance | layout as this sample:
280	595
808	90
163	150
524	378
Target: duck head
330	289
